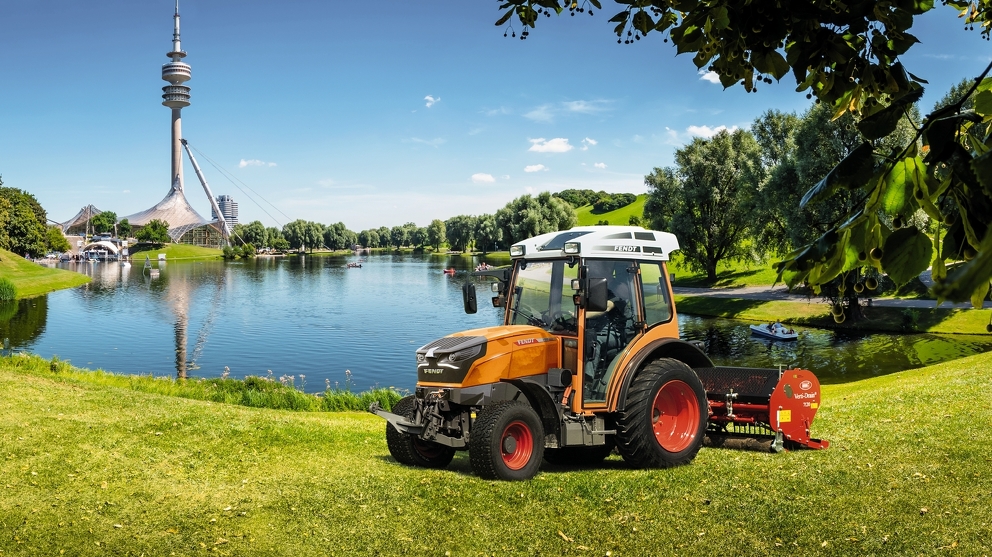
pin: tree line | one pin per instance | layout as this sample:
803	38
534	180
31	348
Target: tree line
521	218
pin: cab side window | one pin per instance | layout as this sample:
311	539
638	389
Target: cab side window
654	291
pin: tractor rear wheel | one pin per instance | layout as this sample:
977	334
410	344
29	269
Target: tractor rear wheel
410	449
507	442
663	422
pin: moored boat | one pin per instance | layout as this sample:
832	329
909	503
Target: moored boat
776	331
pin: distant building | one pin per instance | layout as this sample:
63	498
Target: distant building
229	207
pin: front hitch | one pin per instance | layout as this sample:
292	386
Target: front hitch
402	425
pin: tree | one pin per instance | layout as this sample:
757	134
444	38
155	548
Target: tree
279	244
487	233
611	202
707	200
104	222
579	198
369	238
848	57
460	231
436	233
253	233
155	232
418	237
271	234
123	229
55	240
338	237
528	216
303	235
24	230
398	236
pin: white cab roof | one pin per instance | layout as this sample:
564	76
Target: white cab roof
614	242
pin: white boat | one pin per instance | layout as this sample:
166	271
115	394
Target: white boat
776	331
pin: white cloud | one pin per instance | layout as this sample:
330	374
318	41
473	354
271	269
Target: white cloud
535	168
707	132
126	191
712	77
600	165
325	183
431	100
482	178
556	145
254	162
587	142
540	114
505	176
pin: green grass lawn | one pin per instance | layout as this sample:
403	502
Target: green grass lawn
90	469
620	217
32	279
173	252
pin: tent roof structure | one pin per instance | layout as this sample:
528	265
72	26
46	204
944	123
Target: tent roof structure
81	217
175	210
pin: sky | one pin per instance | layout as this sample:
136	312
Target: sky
368	113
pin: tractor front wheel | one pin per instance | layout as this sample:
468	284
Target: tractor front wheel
507	442
410	449
663	423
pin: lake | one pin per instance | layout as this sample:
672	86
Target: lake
314	319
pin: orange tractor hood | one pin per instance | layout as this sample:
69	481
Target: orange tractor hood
487	355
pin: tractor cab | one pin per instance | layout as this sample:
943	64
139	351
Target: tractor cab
598	289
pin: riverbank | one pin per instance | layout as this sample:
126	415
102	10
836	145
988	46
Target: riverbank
32	279
93	469
815	313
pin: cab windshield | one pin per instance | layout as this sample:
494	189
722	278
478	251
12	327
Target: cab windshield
542	296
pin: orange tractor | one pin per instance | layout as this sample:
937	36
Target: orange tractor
588	360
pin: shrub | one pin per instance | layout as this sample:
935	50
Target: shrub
7	290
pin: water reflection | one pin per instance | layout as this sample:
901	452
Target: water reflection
312	318
22	321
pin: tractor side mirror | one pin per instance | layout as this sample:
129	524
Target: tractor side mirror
468	298
595	294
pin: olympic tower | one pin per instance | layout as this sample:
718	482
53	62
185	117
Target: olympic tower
176	96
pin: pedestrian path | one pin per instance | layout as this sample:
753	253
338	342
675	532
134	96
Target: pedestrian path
780	292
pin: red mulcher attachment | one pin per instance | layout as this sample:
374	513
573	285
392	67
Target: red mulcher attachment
761	409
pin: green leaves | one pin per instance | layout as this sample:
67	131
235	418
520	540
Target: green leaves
851	173
884	122
771	63
906	254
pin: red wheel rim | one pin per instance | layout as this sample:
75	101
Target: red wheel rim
675	416
516	445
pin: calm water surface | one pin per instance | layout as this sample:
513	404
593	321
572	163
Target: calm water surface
313	318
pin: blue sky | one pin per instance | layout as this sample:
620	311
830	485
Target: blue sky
338	111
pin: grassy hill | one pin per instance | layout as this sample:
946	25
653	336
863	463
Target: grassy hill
619	217
175	251
32	279
91	470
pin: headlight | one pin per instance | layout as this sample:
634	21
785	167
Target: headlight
516	251
465	354
572	248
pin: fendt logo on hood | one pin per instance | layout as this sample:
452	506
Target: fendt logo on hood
806	385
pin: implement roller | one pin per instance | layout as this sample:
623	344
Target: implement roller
760	409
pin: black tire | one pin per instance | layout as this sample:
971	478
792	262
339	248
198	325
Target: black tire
409	449
507	442
579	457
664	420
